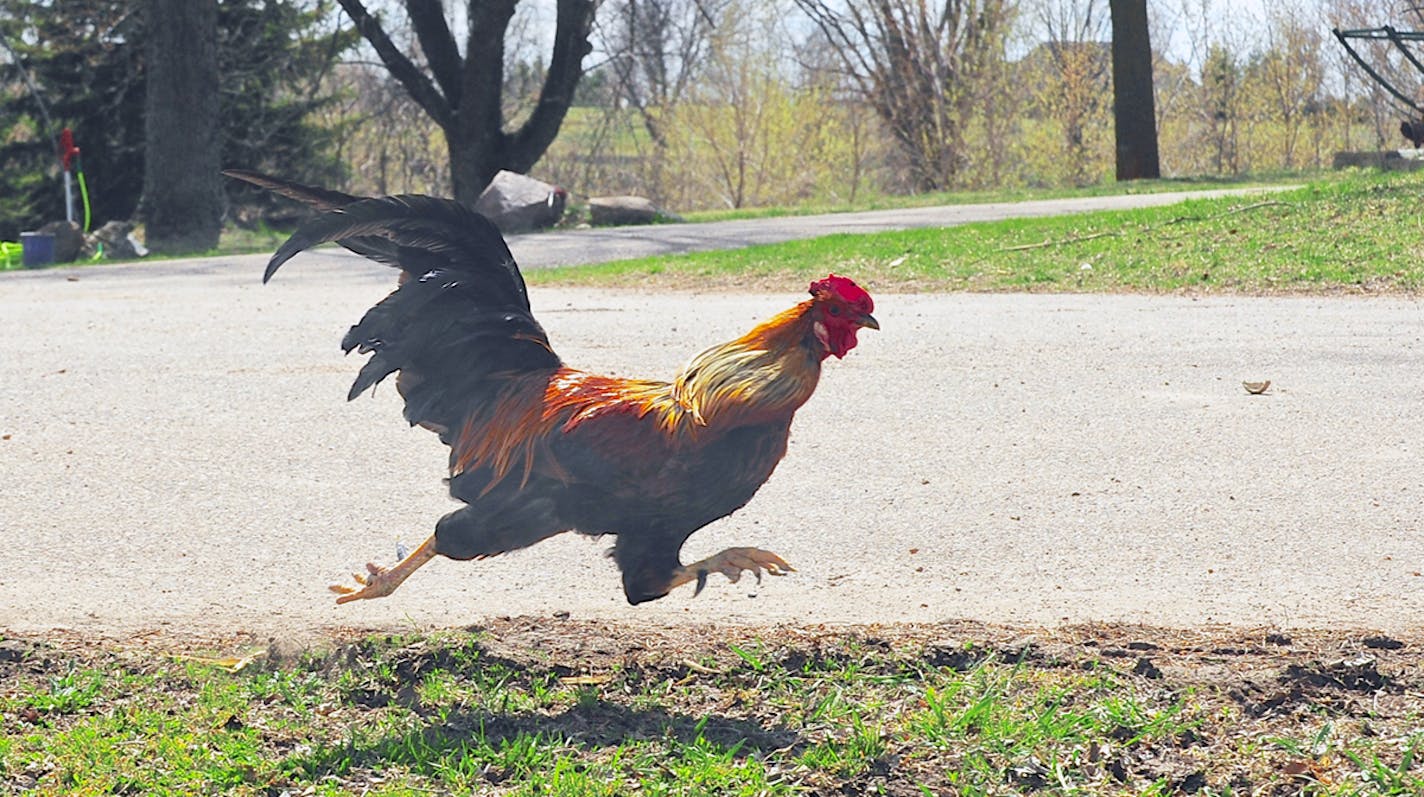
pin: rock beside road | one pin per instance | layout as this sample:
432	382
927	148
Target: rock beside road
519	203
68	240
607	211
117	240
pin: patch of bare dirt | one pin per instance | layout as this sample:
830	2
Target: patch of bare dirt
1260	660
1251	686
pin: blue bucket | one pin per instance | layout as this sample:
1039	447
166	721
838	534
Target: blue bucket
36	249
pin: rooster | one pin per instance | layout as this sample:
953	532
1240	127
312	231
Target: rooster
538	448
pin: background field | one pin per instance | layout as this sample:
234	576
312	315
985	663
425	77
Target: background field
1356	232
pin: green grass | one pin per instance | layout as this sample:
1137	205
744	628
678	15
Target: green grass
522	708
1358	232
238	241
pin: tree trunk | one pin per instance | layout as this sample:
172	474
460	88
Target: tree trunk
463	94
475	138
182	191
1134	118
474	161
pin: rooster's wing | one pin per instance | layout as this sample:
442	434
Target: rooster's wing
458	327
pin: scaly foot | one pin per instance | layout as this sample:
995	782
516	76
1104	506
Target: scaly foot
378	581
731	563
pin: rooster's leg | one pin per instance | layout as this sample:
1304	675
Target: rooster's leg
730	563
379	581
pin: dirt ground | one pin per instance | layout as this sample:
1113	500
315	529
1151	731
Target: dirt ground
1278	685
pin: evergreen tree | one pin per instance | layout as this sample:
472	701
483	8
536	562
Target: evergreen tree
86	60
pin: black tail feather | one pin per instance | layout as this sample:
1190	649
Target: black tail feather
458	325
319	198
423	235
374	248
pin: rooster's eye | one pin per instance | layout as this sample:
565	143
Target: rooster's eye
835	309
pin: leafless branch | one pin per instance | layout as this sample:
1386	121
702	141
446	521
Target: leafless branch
416	82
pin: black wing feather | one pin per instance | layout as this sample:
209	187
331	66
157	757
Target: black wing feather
460	321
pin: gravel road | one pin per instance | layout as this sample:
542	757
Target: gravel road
619	243
176	457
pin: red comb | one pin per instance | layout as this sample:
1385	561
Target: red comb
845	289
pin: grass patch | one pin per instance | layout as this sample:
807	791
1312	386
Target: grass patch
246	241
562	707
1360	232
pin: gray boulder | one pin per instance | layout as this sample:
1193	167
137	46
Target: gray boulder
615	210
118	241
68	240
518	203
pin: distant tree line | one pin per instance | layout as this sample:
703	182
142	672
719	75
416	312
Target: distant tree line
695	103
732	103
956	94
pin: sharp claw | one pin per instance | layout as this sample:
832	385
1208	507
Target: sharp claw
737	562
777	566
341	589
360	579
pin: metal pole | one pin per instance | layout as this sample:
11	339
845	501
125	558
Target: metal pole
68	197
1398	40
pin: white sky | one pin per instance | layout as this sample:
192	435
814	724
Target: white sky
1175	22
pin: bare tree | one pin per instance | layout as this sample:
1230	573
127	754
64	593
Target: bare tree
920	67
182	195
999	157
1204	136
1071	84
655	47
1221	107
852	139
464	93
765	138
1289	75
388	145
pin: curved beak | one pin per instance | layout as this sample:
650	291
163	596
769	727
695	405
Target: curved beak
868	321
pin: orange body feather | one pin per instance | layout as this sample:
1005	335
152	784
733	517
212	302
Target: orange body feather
762	376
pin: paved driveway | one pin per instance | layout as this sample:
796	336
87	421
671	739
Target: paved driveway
177	456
